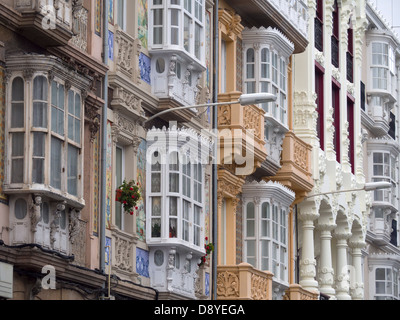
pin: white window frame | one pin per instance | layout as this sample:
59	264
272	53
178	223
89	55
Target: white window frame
167	6
277	264
391	286
381	68
165	195
29	131
276	81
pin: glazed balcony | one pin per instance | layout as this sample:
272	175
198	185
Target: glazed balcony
243	282
46	22
296	292
290	15
295	171
241	133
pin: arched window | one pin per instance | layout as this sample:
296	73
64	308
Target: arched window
250	71
17	136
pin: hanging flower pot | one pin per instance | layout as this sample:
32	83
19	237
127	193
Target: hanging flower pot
128	194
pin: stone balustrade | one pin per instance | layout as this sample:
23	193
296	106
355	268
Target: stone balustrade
243	282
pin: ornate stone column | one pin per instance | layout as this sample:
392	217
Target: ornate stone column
357	285
342	271
307	262
325	270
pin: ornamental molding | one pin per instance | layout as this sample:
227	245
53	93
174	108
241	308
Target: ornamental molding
271	36
227	284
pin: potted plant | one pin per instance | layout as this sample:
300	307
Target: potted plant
128	194
209	248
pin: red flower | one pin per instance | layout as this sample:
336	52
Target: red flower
131	213
131	188
136	208
206	238
125	202
133	196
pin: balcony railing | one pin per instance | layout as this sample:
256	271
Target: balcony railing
296	292
47	22
295	171
295	11
243	282
247	122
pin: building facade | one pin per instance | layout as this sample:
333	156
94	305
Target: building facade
380	114
234	201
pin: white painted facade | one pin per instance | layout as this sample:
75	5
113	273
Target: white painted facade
332	228
380	122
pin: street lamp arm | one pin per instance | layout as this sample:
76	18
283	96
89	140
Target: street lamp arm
369	186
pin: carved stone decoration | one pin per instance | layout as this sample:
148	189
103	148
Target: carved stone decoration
307	268
55	224
123	254
74	225
93	117
259	287
35	211
227	284
80	26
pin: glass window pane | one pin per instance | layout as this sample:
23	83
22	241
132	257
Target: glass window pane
156	206
17	115
39	114
17	171
173	206
155	182
250	210
17	144
21	208
55	163
380	274
72	174
40	88
17	90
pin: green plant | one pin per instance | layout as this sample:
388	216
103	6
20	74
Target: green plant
128	194
209	248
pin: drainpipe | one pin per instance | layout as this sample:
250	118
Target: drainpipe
103	205
214	166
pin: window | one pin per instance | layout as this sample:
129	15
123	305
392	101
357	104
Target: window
157	22
250	82
265	239
223	66
17	134
350	120
335	35
319	90
50	136
119	178
380	65
266	71
386	284
349	54
336	120
175	198
319	26
121	8
383	170
184	20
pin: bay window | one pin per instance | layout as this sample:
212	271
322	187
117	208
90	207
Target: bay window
175	199
175	189
178	25
265	68
45	136
265	228
383	170
387	283
380	65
